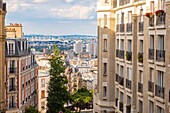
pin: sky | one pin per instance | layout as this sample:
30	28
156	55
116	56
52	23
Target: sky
53	17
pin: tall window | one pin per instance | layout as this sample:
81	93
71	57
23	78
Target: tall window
105	44
122	44
121	97
43	94
151	107
105	68
140	76
161	4
129	73
128	100
12	64
160	78
122	71
141	46
122	18
151	77
152	6
161	42
11	48
160	110
117	18
129	16
129	45
42	82
117	44
105	20
140	106
141	15
104	91
151	42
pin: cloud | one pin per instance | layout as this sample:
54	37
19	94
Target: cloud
75	12
69	1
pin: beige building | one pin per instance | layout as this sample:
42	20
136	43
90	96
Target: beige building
20	71
43	80
2	55
134	59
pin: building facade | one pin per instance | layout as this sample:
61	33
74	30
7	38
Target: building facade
2	55
133	70
20	71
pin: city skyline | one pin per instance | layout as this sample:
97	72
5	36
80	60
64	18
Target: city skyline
59	16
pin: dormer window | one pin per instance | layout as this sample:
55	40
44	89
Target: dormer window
11	49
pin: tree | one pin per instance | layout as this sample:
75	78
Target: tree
82	97
57	90
31	109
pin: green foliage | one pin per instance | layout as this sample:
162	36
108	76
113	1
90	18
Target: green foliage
31	109
82	97
57	90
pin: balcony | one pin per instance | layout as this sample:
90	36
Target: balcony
122	28
121	106
160	20
129	55
140	57
121	80
160	55
129	27
151	54
141	26
12	88
121	54
151	22
159	91
12	105
128	109
117	28
151	86
117	78
140	87
12	70
128	84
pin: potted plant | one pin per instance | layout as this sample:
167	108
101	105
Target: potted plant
159	12
149	15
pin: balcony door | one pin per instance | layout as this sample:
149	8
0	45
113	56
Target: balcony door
161	42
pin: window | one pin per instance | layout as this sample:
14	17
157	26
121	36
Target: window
151	77
129	45
122	71
122	18
117	68
42	82
43	94
11	48
151	107
141	46
122	44
117	18
129	73
140	106
161	4
160	110
42	105
117	43
129	16
105	20
141	15
105	44
121	97
104	91
128	100
152	6
104	111
161	42
12	102
140	77
105	68
151	42
160	78
12	64
117	93
11	84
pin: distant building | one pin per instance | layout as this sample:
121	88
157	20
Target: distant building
78	47
91	47
21	71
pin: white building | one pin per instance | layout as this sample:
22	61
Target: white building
78	47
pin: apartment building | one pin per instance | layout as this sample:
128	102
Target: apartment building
20	71
2	55
133	70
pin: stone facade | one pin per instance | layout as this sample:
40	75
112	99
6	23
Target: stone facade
133	70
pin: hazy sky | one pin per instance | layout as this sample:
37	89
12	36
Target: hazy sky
56	17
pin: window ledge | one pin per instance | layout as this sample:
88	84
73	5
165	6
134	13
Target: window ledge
160	63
